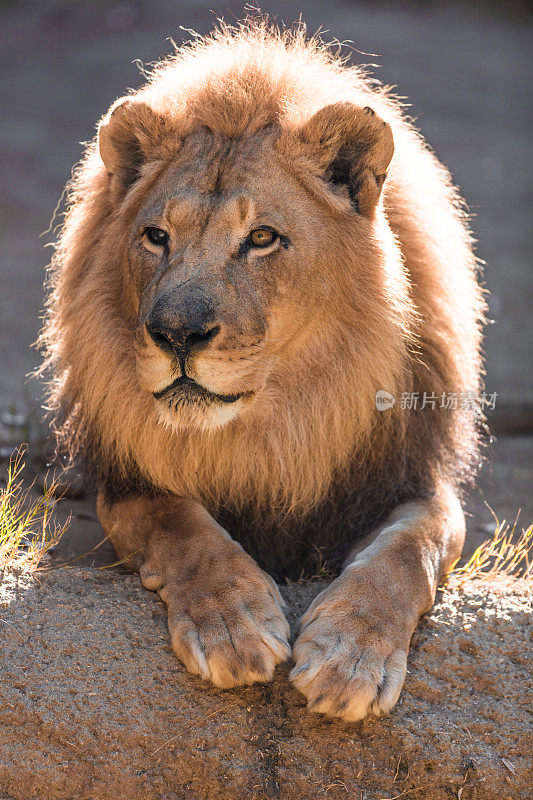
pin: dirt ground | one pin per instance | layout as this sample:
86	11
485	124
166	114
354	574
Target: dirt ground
93	706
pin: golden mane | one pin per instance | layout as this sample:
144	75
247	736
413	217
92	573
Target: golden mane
412	326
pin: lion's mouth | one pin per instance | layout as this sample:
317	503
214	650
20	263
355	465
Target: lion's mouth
188	388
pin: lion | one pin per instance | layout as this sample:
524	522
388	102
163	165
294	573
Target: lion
258	249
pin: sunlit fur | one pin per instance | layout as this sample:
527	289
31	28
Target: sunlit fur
403	316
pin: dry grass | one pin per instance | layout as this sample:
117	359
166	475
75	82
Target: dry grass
28	528
504	560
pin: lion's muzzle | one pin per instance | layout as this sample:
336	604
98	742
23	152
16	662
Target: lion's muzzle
199	355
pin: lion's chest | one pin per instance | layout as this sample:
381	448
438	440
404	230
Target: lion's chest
305	546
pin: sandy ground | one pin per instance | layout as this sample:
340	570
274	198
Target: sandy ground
93	706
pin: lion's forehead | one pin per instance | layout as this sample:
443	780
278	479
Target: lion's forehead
215	179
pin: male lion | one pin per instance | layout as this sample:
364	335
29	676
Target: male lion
244	265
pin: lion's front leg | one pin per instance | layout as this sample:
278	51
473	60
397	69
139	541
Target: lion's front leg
351	653
224	612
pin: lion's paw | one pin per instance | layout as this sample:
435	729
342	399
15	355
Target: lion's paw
230	632
347	664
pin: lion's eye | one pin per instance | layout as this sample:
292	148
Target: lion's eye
262	237
156	236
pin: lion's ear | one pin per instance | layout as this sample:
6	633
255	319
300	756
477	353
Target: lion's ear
353	147
126	136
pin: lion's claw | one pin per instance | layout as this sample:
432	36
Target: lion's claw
227	635
347	666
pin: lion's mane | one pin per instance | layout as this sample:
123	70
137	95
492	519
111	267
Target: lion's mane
416	329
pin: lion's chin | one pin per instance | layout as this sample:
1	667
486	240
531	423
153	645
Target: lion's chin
203	416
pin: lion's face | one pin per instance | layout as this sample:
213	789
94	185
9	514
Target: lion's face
224	261
231	256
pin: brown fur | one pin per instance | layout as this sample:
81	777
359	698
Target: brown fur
371	286
404	304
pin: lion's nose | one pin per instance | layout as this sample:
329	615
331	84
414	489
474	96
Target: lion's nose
181	330
181	340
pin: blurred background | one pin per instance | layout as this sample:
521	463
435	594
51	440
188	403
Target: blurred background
466	69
